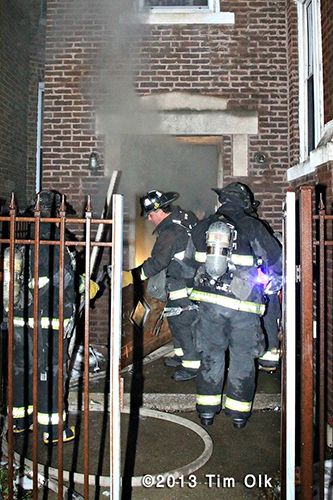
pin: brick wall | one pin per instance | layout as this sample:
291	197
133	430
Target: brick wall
292	26
14	98
245	63
327	40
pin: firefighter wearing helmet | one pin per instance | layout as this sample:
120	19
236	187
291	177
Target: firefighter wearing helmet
163	268
229	247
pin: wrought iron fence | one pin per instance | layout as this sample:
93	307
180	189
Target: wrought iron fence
15	233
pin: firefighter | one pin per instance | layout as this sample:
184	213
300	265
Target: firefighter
229	246
48	329
172	227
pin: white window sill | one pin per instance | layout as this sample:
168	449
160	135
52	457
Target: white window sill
185	18
317	157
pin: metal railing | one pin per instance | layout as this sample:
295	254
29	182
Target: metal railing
14	238
306	334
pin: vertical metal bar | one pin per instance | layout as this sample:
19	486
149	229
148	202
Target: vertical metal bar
86	350
283	349
35	350
62	215
10	345
322	362
306	252
115	344
289	344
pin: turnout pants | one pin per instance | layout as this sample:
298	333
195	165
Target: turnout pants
217	330
47	414
181	329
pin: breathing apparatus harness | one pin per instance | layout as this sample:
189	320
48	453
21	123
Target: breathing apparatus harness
221	270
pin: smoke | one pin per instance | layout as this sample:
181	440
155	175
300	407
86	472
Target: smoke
131	133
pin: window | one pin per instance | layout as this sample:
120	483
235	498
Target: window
310	81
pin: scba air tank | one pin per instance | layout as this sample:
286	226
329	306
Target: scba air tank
218	244
6	277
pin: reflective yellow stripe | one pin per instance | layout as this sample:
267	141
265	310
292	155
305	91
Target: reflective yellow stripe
194	365
200	256
233	404
54	323
49	418
269	356
21	412
45	322
209	400
42	281
229	302
242	260
178	294
142	275
180	255
178	351
189	290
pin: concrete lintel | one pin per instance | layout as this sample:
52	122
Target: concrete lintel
208	122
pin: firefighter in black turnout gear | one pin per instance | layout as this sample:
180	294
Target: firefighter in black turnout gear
229	246
48	329
173	228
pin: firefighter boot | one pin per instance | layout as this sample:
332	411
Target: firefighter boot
239	423
184	374
173	361
52	437
207	418
21	425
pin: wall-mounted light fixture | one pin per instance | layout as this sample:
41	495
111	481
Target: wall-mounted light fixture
93	162
260	158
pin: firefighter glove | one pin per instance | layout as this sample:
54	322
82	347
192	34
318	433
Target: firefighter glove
93	286
127	278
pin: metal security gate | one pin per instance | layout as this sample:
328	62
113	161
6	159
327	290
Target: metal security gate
308	260
16	235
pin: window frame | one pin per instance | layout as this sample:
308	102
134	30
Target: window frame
304	97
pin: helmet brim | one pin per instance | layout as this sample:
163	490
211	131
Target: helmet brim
170	196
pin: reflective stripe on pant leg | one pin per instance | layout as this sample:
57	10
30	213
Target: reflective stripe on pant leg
178	352
22	411
209	400
233	404
192	365
49	418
